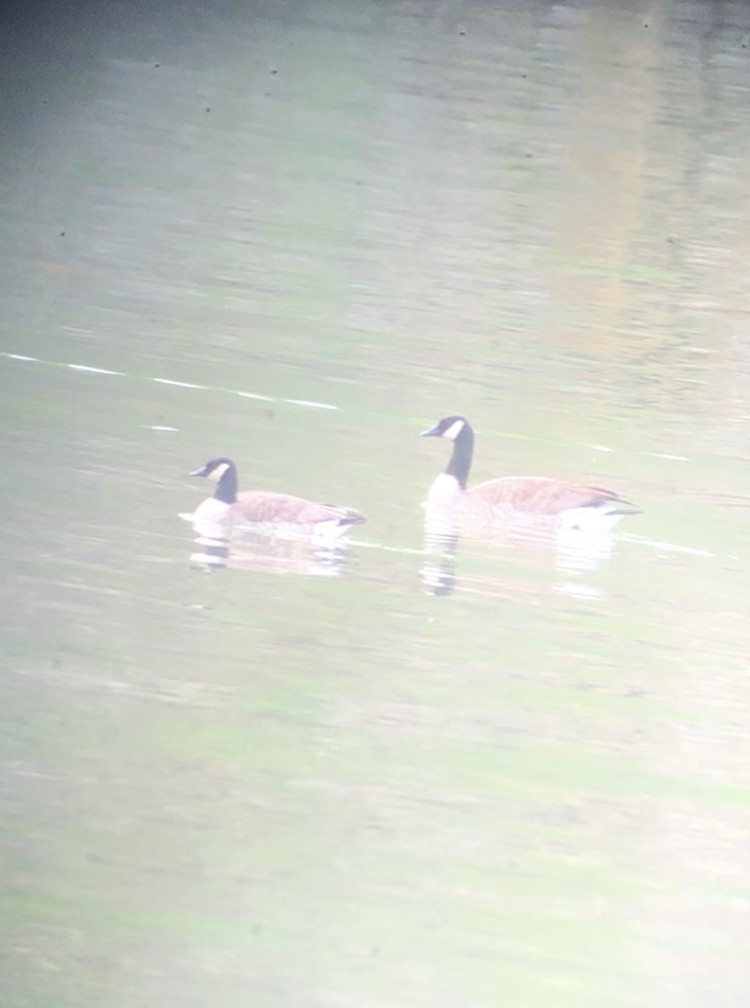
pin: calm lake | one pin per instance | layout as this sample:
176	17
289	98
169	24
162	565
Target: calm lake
401	775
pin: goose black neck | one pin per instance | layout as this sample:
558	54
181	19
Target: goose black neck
226	488
461	456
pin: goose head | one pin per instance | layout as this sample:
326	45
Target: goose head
223	472
214	469
450	427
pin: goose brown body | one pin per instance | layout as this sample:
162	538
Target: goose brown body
575	505
263	508
267	510
540	494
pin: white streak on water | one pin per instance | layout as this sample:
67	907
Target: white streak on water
168	381
387	549
252	395
306	402
95	370
667	547
180	384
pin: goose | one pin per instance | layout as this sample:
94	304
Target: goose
264	511
570	506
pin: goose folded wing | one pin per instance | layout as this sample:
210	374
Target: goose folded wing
277	508
541	495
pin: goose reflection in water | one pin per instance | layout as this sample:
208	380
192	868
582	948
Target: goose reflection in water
277	555
572	555
438	570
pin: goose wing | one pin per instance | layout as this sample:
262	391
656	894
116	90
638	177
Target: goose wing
279	508
540	495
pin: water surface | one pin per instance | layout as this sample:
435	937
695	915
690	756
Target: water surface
330	226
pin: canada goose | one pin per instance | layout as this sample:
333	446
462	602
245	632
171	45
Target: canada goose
570	505
268	512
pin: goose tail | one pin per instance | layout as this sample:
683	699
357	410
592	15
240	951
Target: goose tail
621	508
336	523
348	516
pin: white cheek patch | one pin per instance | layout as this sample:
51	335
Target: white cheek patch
218	472
454	430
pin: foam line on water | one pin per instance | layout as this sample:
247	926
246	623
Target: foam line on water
94	370
308	402
386	549
88	369
179	384
667	547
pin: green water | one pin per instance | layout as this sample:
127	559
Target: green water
264	787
